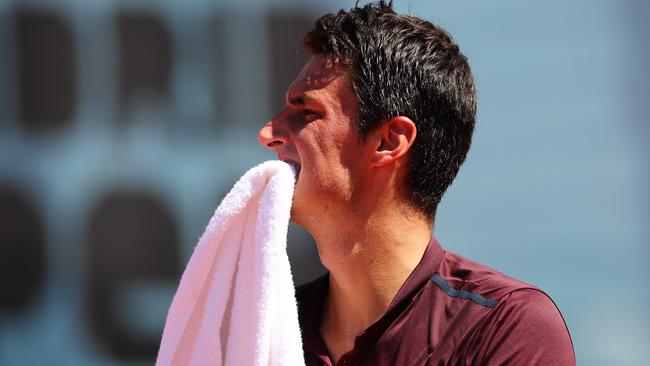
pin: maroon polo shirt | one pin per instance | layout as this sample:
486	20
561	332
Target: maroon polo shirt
449	311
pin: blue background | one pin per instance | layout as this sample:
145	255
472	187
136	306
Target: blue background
554	190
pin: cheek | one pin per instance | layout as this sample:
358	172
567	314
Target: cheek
323	158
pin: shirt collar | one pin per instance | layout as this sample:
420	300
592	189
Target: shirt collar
426	268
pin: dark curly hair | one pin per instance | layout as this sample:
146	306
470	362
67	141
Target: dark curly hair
405	66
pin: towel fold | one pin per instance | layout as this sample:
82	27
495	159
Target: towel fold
236	304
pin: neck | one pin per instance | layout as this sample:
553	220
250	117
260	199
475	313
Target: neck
368	263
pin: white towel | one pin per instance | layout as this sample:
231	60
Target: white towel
236	304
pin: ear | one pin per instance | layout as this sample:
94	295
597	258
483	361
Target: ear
394	140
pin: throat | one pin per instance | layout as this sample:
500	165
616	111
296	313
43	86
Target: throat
352	306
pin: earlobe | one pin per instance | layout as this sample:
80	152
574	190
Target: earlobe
395	139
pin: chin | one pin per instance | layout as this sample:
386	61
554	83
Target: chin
300	209
295	217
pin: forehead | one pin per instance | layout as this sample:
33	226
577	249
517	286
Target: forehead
321	74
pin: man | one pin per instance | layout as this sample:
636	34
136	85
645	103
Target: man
377	124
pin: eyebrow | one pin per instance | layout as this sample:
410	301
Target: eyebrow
299	101
295	101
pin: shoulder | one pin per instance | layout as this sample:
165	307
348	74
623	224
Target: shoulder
521	324
533	312
508	297
466	275
526	327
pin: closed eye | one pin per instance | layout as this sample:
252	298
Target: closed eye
308	113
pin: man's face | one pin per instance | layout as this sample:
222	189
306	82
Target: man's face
315	133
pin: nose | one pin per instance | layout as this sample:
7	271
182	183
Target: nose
269	136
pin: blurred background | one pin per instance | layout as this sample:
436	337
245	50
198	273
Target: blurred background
124	123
